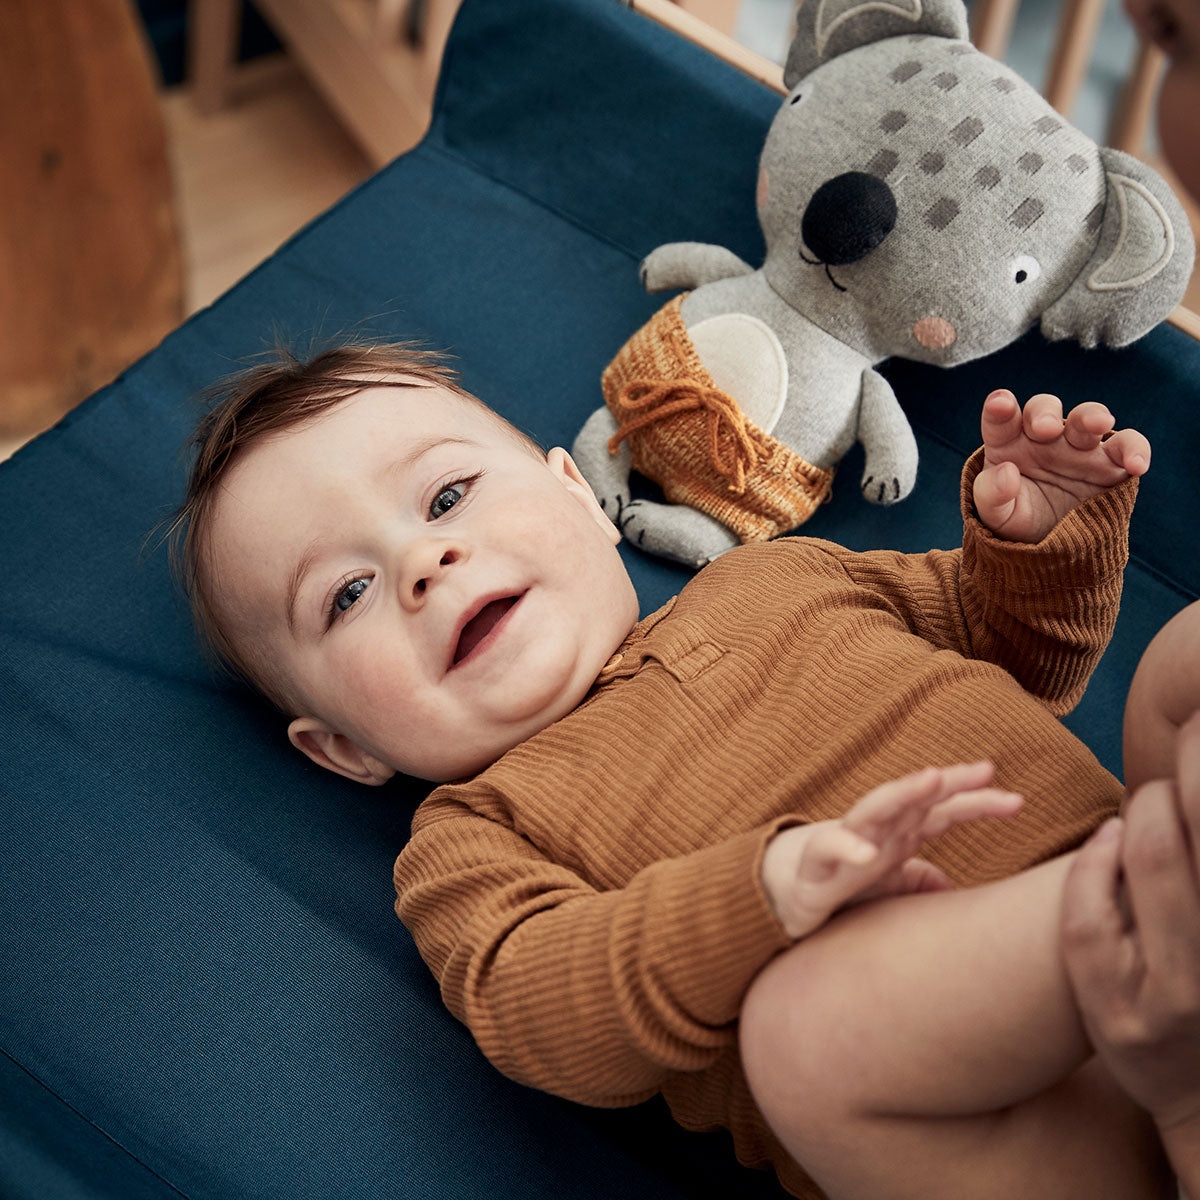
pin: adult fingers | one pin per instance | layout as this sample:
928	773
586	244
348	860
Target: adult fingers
1087	423
1161	882
1043	417
1129	450
1093	930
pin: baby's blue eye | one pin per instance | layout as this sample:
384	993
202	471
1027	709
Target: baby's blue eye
350	593
445	500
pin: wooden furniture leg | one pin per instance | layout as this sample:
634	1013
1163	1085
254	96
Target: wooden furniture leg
213	28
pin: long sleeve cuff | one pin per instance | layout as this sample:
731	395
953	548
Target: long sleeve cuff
723	929
1088	547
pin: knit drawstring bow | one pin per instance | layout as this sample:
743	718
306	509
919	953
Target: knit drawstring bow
730	446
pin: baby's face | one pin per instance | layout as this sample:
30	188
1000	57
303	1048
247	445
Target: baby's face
432	591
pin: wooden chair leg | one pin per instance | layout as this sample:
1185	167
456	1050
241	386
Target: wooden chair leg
1072	52
213	30
992	24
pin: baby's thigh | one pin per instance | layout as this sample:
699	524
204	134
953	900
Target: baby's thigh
863	1065
1164	693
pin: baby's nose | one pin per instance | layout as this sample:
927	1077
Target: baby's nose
426	563
847	217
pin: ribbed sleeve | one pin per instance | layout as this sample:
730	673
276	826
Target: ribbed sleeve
1046	611
593	995
1043	611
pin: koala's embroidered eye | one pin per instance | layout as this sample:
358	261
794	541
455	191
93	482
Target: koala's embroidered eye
798	97
1024	268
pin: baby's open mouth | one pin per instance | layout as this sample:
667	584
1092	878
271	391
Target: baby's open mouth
483	623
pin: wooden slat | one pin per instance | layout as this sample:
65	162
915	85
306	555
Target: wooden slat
1077	29
720	14
1135	107
992	25
1186	320
691	27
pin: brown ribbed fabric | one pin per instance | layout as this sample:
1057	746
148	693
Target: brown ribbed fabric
591	903
695	442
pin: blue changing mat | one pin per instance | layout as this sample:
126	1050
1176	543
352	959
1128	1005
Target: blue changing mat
204	989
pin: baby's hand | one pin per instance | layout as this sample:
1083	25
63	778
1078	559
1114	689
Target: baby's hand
811	871
1037	467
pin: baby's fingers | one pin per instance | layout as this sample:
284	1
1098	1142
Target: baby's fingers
1043	417
1000	422
875	814
1129	450
1087	424
995	492
969	806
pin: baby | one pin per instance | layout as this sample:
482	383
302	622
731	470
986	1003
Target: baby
625	882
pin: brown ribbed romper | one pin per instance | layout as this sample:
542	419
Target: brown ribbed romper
591	903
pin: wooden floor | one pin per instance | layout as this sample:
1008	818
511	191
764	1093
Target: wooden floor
248	177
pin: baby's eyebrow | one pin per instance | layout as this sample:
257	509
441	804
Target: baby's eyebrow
420	448
297	579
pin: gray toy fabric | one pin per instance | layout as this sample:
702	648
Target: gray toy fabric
918	199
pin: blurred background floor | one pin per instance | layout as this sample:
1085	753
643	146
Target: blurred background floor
276	155
248	177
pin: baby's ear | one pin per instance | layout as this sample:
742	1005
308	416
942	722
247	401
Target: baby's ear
563	465
336	752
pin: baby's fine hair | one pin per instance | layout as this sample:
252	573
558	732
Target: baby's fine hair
271	397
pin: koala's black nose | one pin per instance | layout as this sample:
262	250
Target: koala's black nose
847	217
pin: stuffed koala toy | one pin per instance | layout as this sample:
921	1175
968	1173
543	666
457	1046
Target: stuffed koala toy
917	198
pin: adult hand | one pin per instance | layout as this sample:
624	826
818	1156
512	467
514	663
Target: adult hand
1131	942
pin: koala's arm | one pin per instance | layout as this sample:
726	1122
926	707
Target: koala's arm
688	265
887	438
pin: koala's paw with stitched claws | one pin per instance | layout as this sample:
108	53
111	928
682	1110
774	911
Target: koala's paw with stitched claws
673	531
882	489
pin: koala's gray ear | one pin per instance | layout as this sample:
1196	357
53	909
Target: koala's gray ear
827	28
1140	267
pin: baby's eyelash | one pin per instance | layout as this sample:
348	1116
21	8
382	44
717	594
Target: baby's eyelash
464	482
332	612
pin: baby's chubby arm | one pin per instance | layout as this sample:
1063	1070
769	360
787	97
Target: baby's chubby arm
1038	465
811	871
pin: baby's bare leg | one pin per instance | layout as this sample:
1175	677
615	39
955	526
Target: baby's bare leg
929	1046
1164	693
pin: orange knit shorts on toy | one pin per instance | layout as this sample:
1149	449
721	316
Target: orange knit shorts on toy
695	442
